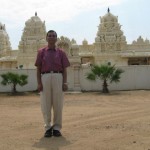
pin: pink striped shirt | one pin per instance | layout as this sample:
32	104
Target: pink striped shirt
51	60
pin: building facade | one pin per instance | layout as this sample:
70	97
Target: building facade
110	46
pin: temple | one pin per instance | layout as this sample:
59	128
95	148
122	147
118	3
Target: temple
110	46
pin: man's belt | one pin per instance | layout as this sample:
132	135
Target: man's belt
51	72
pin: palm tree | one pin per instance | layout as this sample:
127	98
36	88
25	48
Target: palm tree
14	79
105	72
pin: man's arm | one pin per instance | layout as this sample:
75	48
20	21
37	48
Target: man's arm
65	84
39	81
64	75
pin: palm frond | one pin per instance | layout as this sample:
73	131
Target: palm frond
96	70
105	72
116	75
14	79
23	80
91	76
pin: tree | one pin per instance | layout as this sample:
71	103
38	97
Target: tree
14	79
105	72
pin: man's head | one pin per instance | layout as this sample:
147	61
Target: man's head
51	36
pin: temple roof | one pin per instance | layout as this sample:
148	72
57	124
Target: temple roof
8	58
109	17
34	20
4	42
135	54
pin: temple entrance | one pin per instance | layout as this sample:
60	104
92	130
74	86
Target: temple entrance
85	60
139	61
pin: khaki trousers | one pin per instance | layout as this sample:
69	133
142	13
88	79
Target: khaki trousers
52	99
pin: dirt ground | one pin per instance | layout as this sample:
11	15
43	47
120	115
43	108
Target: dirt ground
91	121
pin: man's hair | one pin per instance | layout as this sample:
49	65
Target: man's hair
51	31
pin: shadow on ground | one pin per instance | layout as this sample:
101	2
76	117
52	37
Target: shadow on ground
52	143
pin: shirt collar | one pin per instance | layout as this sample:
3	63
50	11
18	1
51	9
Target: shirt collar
47	48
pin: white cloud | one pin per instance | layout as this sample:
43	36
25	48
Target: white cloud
48	10
14	13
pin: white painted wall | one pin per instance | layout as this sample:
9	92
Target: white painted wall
32	82
134	77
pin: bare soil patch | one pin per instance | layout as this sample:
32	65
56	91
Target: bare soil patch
91	121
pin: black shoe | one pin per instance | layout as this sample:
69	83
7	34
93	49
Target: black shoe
49	133
57	133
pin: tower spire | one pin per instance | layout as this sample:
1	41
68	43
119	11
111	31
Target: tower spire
108	10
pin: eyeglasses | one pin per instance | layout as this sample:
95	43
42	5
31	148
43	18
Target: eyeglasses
53	36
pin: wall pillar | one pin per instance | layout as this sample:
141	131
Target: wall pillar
77	86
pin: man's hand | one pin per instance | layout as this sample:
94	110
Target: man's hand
65	87
40	87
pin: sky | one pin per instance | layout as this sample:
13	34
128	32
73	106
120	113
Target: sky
78	19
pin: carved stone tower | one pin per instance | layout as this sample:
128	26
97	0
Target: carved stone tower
33	38
109	36
5	45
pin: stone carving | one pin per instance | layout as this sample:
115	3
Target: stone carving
74	50
70	47
33	37
4	40
109	33
65	44
140	41
73	41
85	42
110	44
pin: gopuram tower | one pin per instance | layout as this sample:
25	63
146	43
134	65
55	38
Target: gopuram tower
32	39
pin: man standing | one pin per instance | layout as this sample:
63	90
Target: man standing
51	65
